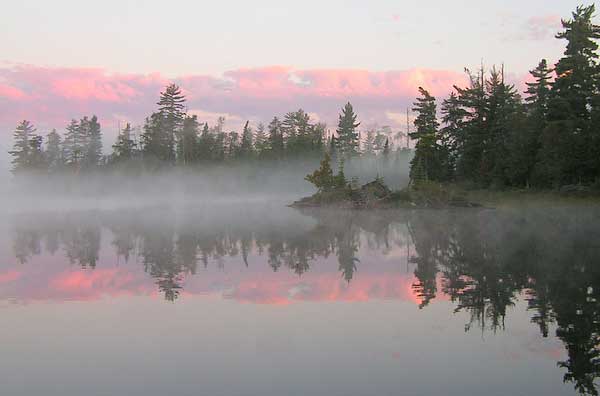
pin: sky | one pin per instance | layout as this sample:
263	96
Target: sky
252	60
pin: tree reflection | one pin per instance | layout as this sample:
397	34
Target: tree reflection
483	261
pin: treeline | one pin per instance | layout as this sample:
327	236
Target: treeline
171	137
490	137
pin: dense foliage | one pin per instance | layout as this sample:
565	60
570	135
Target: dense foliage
170	137
490	137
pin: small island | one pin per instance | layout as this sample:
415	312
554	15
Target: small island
334	190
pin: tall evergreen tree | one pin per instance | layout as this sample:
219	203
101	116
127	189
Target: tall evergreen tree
21	147
260	139
172	113
246	145
275	140
473	100
206	144
452	139
187	149
36	161
124	148
54	152
369	143
347	139
156	145
427	153
74	145
536	102
503	110
569	154
93	142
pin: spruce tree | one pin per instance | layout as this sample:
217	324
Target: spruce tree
246	145
188	140
152	142
93	142
124	148
451	134
536	102
473	100
54	152
74	145
322	178
260	139
369	143
503	110
206	144
36	160
347	135
276	140
21	147
172	113
427	153
569	153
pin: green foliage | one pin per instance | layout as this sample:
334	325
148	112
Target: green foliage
347	140
54	152
21	147
124	149
187	150
323	178
92	134
429	155
574	106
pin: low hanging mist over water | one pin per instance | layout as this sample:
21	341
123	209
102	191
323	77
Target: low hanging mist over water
216	297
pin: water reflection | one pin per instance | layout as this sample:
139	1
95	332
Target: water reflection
483	261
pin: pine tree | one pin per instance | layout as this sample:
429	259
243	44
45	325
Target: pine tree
369	143
379	142
54	152
93	142
275	139
529	145
232	145
427	153
188	140
155	144
246	145
260	139
473	100
503	109
347	135
569	153
538	91
322	178
124	148
451	136
206	144
36	160
21	147
74	144
171	109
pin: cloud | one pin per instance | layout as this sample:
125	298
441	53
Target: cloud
50	97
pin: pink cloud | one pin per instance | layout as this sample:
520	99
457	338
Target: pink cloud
11	93
9	276
50	97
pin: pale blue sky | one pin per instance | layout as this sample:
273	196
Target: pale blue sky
187	37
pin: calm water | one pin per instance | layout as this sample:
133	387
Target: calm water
266	300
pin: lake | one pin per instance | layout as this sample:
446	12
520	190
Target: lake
261	299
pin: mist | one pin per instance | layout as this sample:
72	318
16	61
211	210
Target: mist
236	184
